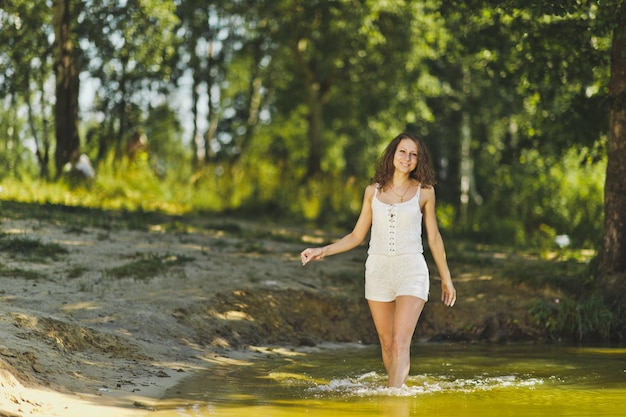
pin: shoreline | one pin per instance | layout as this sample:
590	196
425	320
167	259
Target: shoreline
108	322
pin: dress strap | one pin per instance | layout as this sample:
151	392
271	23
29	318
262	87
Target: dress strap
419	189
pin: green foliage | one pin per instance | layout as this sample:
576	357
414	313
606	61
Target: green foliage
586	318
538	197
165	148
574	308
563	197
25	71
126	49
446	216
531	78
580	311
583	317
274	193
545	314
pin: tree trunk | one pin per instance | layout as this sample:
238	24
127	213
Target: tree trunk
613	253
465	168
42	146
66	106
212	104
316	122
197	145
316	95
254	98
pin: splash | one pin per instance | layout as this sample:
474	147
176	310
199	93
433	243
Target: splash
373	384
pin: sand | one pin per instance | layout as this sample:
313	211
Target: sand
81	334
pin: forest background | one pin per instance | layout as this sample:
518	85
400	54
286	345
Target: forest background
280	108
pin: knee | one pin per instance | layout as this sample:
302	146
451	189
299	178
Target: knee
401	344
386	343
396	345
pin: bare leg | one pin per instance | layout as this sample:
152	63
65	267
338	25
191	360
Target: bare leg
383	313
395	323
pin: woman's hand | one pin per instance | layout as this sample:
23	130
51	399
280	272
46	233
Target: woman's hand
448	293
310	254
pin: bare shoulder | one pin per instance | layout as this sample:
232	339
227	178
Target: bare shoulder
427	200
370	190
428	193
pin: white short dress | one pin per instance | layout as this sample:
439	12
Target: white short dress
395	263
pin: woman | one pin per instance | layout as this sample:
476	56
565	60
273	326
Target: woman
396	275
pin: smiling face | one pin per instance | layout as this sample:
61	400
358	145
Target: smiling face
405	157
405	154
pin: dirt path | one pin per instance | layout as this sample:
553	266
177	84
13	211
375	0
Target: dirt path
108	326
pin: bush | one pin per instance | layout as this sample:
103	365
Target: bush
536	198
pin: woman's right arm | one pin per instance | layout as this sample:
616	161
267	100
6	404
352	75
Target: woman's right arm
349	241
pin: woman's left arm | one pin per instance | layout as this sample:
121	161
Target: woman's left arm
437	248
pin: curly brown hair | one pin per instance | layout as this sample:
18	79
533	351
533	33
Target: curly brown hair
423	172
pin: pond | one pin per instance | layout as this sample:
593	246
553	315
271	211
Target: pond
446	380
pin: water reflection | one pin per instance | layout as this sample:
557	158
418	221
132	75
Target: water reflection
446	380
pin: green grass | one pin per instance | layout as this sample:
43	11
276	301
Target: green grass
31	249
79	217
26	274
76	271
147	266
252	246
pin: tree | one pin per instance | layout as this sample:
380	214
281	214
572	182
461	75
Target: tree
537	75
613	252
593	22
127	49
26	67
67	84
211	37
337	66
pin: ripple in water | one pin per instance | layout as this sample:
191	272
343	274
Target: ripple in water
373	384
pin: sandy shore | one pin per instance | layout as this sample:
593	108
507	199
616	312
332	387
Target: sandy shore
89	332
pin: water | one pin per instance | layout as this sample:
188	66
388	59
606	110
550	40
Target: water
446	380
